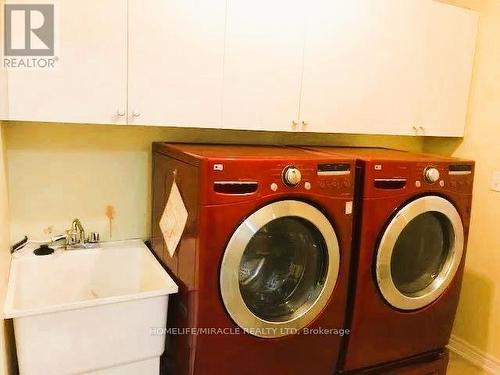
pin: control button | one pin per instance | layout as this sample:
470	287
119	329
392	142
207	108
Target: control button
274	186
307	185
322	184
418	183
441	183
291	176
431	174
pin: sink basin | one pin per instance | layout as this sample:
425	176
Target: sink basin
89	311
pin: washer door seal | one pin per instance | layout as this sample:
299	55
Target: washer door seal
279	269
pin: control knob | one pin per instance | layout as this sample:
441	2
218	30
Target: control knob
431	174
291	176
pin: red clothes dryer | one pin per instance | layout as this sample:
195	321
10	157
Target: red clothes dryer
263	262
411	232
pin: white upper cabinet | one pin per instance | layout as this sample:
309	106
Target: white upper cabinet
176	51
399	67
387	67
449	38
360	66
88	83
263	64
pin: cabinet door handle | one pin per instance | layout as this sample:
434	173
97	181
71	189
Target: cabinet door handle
415	129
294	124
120	112
304	123
422	129
136	113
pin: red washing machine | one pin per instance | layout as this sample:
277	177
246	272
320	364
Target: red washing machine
263	262
409	259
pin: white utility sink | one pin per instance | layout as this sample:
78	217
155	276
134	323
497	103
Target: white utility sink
89	311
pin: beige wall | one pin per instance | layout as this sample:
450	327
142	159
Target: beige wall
478	319
4	251
58	172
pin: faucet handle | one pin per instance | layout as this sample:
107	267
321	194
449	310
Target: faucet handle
93	237
72	237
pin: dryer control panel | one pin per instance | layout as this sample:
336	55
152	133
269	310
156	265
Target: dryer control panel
449	176
386	178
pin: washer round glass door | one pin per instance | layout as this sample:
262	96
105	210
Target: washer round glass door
279	268
420	252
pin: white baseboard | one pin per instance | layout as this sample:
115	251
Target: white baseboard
474	355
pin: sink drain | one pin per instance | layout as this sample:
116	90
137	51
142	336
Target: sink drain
43	250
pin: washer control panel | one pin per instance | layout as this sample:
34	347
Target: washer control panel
291	176
334	176
431	174
236	180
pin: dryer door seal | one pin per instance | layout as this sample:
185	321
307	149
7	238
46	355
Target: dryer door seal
419	253
279	269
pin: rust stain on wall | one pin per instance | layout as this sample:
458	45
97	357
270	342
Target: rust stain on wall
110	214
49	230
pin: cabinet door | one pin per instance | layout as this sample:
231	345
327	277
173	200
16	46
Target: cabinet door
361	66
88	81
3	76
263	64
449	39
176	51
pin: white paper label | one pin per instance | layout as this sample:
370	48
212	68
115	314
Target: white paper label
348	208
174	219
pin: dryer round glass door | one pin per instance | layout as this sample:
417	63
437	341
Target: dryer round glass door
420	252
279	268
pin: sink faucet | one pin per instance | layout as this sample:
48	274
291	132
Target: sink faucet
74	239
76	235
